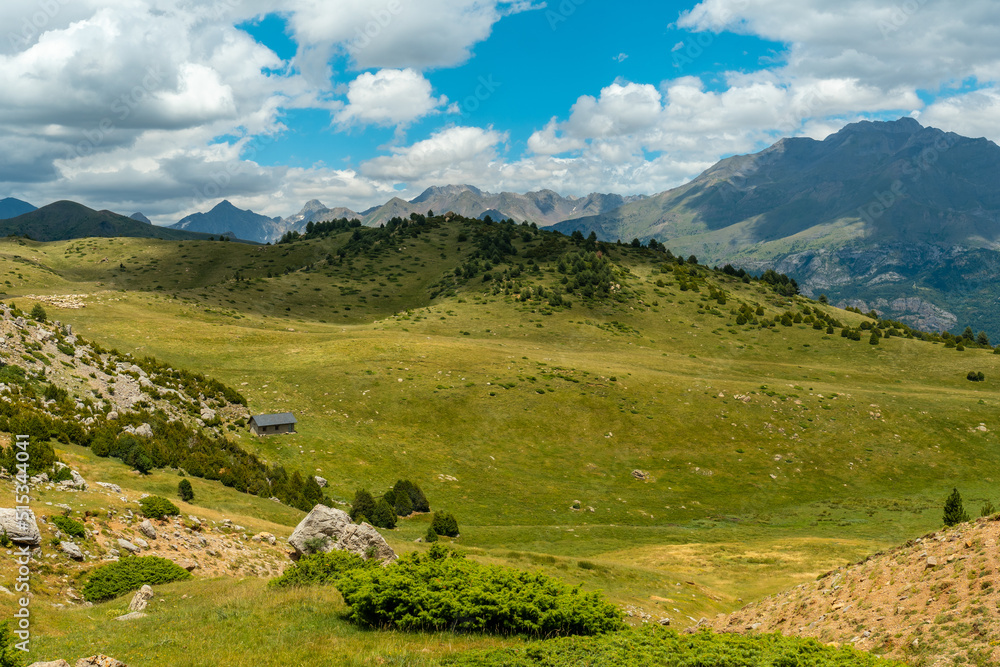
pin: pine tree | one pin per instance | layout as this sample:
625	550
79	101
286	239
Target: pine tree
364	505
185	491
874	338
954	511
384	516
431	536
404	506
444	523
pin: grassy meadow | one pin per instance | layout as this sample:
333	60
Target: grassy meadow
770	455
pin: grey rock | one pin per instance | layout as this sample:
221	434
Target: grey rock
144	431
51	663
141	599
71	550
114	488
147	529
319	480
128	546
641	475
21	532
140	542
335	525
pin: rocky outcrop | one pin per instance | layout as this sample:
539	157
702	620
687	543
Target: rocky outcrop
21	532
99	661
147	529
326	529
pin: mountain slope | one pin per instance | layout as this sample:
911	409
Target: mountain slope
887	603
227	219
877	212
11	208
64	220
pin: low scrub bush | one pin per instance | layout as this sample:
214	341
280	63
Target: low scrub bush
666	648
155	507
322	568
129	574
442	590
70	526
444	523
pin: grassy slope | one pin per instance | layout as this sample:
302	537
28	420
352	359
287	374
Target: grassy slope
523	412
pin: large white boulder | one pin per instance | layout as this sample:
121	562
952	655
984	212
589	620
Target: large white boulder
337	531
25	532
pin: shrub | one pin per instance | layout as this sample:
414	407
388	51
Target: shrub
430	536
10	655
445	523
38	313
988	509
155	507
315	545
5	540
70	526
321	568
651	645
130	574
418	500
404	506
442	589
61	475
384	515
185	491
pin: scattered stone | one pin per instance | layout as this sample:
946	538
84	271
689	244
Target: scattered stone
103	660
140	542
71	550
51	663
141	599
147	529
265	537
144	431
187	564
112	415
319	480
931	562
641	475
128	546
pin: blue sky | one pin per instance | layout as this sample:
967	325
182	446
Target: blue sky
169	106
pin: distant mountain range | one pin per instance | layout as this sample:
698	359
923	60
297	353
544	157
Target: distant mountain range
886	215
64	220
11	208
228	220
543	207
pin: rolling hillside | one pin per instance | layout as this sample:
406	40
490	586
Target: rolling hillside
683	439
892	216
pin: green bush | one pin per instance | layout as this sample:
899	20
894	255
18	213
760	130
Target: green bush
70	526
38	313
155	507
442	590
129	574
61	475
430	536
322	568
185	491
651	645
10	655
445	523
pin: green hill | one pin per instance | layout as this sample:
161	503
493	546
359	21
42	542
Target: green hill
64	220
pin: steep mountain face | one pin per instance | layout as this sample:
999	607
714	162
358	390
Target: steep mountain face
879	213
64	220
141	218
11	208
227	219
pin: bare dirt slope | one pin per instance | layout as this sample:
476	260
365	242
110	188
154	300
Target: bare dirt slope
933	601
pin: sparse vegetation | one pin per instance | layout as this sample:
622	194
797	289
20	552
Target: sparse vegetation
130	574
156	507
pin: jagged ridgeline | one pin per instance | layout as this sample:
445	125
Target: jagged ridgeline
57	386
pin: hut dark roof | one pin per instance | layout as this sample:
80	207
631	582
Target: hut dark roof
279	419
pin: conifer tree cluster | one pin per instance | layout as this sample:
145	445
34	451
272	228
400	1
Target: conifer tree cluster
403	499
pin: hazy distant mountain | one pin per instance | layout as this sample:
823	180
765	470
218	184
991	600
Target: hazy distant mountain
69	220
544	207
11	208
880	214
141	218
227	219
315	211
